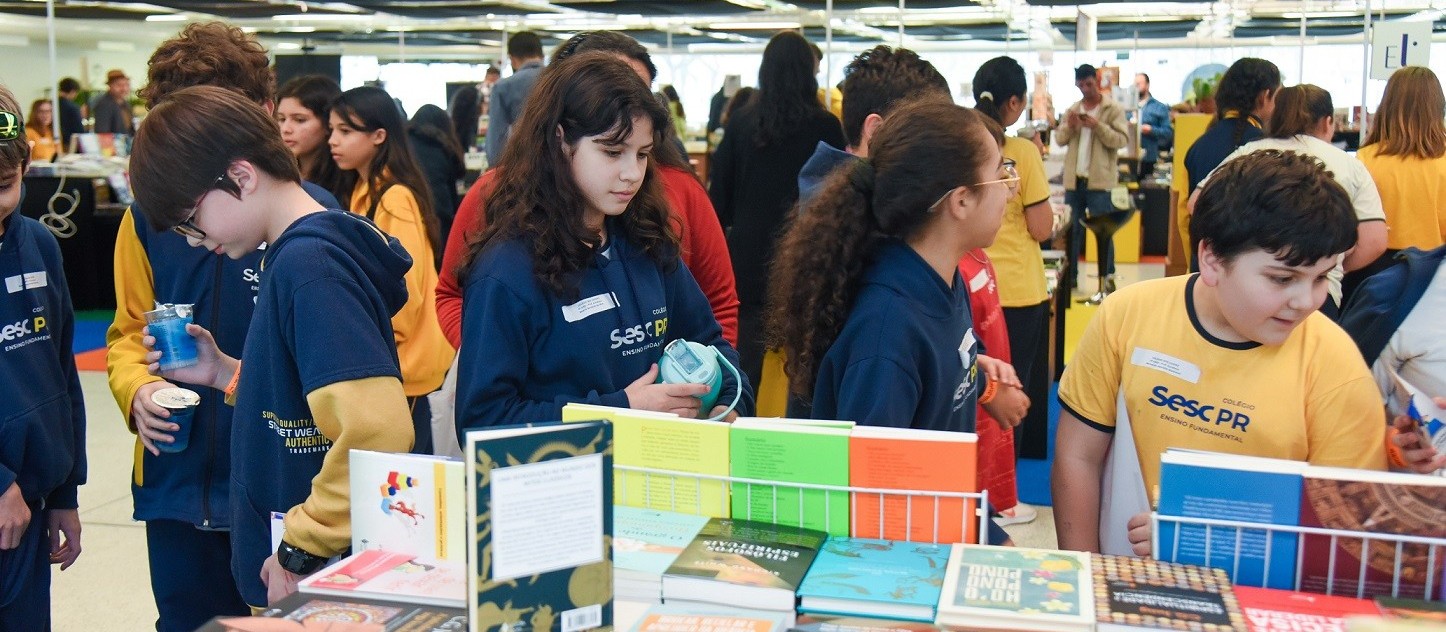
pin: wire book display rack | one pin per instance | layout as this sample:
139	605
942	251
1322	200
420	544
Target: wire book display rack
684	492
1408	554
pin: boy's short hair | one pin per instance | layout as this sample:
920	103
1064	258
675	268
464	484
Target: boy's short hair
881	77
210	54
69	84
14	152
524	45
191	139
1085	71
1282	202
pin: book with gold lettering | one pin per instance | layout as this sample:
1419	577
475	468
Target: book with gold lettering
1010	588
540	527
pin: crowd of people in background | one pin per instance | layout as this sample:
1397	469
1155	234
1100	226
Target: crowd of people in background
873	247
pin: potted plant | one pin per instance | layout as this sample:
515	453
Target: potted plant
1204	93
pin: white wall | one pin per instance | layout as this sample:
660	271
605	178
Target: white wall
26	70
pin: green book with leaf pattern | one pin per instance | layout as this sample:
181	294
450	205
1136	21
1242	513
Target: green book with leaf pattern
540	527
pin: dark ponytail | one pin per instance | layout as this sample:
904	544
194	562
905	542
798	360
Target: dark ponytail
922	151
995	82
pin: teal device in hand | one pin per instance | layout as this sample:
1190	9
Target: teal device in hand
686	362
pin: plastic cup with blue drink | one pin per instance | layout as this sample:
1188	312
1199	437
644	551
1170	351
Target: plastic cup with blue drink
181	402
168	326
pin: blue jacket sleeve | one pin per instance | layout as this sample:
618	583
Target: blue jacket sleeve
1160	126
64	496
879	392
691	318
495	362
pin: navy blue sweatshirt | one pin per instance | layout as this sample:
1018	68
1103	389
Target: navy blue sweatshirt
42	420
906	354
528	352
329	287
194	485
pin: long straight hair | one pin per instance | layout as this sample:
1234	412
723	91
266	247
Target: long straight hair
368	109
924	149
787	88
536	198
1409	119
315	93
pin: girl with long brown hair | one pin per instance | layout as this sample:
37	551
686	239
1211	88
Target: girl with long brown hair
575	287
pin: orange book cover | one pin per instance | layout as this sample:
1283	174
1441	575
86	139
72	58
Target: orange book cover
911	459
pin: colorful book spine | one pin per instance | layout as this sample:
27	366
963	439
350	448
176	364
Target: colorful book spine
910	459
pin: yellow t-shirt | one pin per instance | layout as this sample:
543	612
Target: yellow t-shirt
1309	399
1018	264
42	147
423	350
1413	193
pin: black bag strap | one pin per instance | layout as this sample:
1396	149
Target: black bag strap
372	211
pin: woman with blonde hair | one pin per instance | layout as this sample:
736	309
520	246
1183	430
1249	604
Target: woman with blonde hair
1405	152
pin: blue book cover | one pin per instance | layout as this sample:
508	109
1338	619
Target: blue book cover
647	541
1236	488
539	505
860	576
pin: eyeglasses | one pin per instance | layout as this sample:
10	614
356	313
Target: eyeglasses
1010	179
9	126
187	228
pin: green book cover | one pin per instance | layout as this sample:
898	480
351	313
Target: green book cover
540	527
780	450
749	553
1009	583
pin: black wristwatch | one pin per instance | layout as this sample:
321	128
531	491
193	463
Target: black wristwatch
297	560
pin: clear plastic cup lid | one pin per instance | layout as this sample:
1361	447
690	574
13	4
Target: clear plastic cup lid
176	397
171	310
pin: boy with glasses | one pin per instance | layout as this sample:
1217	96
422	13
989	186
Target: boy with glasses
304	399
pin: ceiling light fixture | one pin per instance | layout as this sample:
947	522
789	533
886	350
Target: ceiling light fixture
759	26
168	17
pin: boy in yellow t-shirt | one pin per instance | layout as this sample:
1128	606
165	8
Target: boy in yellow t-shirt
1233	359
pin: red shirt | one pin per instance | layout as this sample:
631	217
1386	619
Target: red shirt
704	250
996	447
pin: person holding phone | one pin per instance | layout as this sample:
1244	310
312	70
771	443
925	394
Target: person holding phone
1094	130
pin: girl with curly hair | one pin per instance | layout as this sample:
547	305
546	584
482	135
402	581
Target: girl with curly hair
575	287
866	298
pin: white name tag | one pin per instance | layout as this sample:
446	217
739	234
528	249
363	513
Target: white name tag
589	306
979	281
27	281
1166	364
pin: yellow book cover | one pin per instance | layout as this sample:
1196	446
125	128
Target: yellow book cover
661	441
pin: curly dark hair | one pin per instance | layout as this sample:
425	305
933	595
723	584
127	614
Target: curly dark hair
210	54
535	197
881	77
787	88
1242	82
1282	202
923	150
